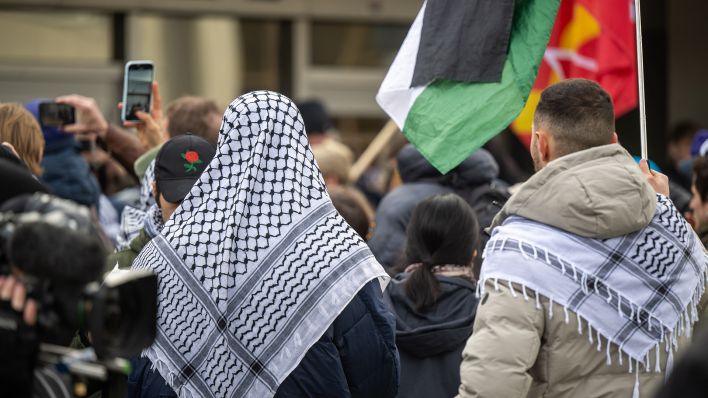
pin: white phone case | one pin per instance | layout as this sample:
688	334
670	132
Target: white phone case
125	85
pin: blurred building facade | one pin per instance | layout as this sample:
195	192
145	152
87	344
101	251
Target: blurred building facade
334	50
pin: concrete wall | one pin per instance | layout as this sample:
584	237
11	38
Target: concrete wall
192	55
47	53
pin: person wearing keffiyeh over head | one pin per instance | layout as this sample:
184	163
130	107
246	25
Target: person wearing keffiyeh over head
591	280
171	178
264	290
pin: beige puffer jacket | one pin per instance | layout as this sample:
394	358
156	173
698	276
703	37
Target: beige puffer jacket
519	351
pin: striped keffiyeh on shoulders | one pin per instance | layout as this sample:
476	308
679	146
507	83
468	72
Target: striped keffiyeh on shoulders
133	218
255	264
637	290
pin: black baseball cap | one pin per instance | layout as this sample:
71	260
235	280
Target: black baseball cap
179	163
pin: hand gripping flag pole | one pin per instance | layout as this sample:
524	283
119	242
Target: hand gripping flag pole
640	81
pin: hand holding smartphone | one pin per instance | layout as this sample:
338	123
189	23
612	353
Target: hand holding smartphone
137	89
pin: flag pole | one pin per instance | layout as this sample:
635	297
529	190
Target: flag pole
380	142
640	81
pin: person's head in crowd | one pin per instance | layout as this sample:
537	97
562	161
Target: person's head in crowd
443	231
353	206
54	138
19	128
196	115
178	165
65	171
571	116
317	120
699	145
699	194
335	161
680	142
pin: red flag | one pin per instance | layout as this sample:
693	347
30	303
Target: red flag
592	39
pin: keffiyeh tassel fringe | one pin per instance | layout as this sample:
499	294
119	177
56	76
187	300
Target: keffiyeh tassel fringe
668	339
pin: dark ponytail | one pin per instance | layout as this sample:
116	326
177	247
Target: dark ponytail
443	230
422	287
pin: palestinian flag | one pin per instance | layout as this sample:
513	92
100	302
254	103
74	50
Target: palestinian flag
464	72
592	39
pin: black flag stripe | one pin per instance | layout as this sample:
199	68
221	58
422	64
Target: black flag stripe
463	40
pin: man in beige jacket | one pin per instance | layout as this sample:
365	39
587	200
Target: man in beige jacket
591	280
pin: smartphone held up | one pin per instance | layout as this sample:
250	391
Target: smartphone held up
137	88
52	114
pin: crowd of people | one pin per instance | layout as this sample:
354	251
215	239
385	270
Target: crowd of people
280	276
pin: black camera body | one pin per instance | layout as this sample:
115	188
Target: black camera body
51	245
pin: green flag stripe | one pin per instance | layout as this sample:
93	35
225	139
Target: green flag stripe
450	120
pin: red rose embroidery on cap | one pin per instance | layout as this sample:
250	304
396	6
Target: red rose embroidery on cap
192	158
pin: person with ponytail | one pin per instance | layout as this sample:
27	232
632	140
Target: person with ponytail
433	296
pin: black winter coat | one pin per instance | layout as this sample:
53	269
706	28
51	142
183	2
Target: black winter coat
430	342
356	357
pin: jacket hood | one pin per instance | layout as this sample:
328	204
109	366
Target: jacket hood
445	327
597	193
479	168
68	175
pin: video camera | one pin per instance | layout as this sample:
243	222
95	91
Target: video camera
54	249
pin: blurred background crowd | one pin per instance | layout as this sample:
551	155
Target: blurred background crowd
330	56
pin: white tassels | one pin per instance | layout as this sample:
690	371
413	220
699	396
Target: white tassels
538	301
609	357
635	393
589	333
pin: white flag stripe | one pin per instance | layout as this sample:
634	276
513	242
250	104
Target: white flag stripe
395	96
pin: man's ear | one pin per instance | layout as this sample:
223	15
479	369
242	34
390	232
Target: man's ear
543	141
614	139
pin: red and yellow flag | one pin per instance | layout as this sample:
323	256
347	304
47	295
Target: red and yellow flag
592	39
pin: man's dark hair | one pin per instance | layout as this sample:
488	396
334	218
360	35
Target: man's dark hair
577	113
199	116
700	175
443	230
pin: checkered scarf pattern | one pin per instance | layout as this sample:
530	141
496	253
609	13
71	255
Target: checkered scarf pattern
636	290
133	219
256	263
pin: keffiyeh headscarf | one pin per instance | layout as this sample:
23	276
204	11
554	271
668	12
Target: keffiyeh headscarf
637	291
255	264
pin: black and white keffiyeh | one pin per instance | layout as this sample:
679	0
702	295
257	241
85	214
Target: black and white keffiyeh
256	263
133	218
636	290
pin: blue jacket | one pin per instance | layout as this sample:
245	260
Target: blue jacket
356	357
68	175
